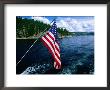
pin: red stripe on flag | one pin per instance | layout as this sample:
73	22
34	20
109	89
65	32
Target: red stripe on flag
53	46
50	51
49	34
57	48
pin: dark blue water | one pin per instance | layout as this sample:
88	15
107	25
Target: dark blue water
77	56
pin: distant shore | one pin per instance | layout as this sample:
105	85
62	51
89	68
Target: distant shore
26	38
74	34
37	37
33	37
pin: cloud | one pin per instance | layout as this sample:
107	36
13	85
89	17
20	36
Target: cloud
76	25
43	19
70	23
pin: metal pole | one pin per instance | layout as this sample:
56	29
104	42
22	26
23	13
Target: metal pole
32	45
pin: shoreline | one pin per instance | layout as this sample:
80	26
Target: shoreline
27	38
59	37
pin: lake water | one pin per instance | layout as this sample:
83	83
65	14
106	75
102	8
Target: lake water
77	56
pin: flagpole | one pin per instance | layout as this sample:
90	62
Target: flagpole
32	45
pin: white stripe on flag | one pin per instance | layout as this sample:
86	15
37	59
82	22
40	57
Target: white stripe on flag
51	50
53	45
57	45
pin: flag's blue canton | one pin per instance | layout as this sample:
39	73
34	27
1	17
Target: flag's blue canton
53	30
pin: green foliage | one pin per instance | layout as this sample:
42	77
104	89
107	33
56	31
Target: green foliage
29	27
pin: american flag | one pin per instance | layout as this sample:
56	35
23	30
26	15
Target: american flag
50	40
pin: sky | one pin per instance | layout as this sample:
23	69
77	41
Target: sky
71	23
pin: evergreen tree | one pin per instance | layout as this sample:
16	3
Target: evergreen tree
30	27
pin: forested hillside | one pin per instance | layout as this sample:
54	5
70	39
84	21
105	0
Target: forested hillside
27	28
